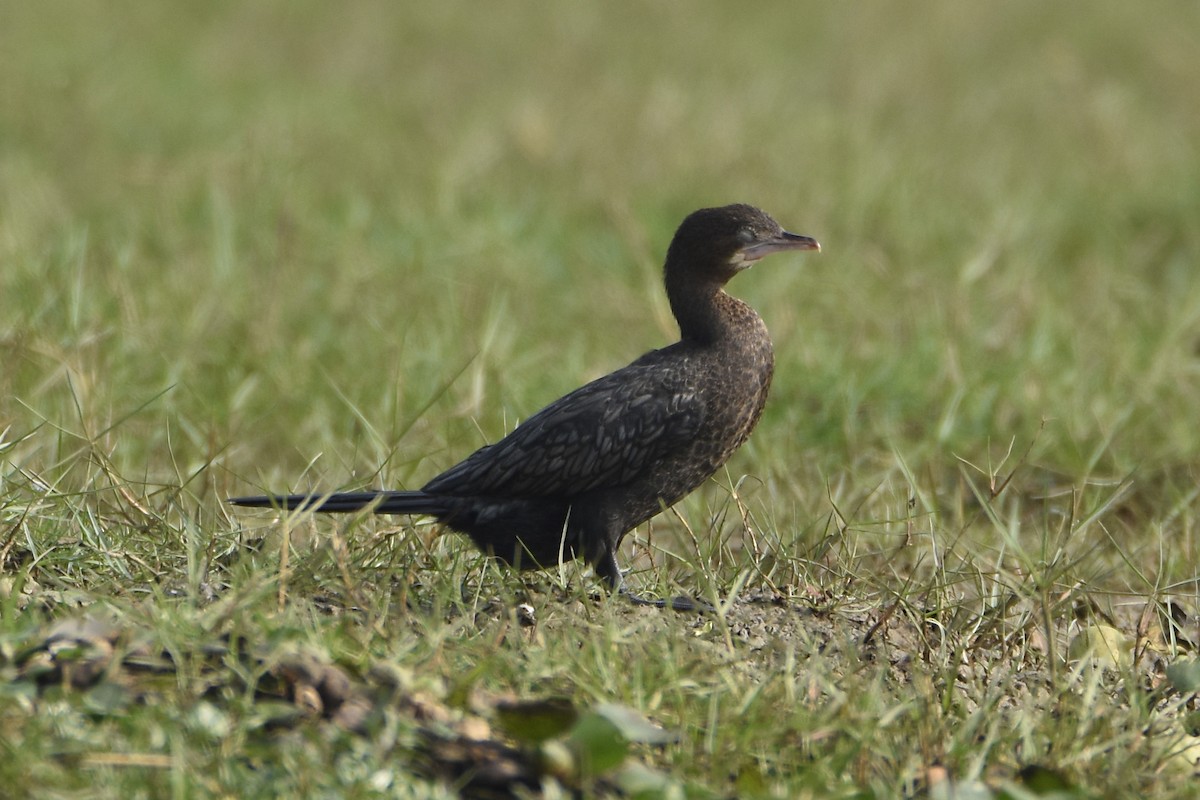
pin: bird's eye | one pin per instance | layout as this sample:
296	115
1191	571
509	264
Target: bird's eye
745	235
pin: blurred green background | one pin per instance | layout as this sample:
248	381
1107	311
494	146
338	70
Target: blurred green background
377	235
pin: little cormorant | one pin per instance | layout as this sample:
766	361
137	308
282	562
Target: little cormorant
574	478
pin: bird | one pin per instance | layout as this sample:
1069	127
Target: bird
573	479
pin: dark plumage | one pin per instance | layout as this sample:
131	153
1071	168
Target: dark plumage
574	478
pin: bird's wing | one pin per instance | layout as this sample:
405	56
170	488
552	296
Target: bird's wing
602	434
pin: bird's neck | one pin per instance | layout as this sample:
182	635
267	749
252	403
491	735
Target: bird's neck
705	313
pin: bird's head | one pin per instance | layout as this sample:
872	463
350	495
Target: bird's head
718	243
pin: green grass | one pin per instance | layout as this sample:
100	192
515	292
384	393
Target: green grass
291	245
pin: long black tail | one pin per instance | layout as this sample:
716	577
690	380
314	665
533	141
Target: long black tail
378	500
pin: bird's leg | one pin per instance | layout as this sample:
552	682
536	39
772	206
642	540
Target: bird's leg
680	602
610	573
